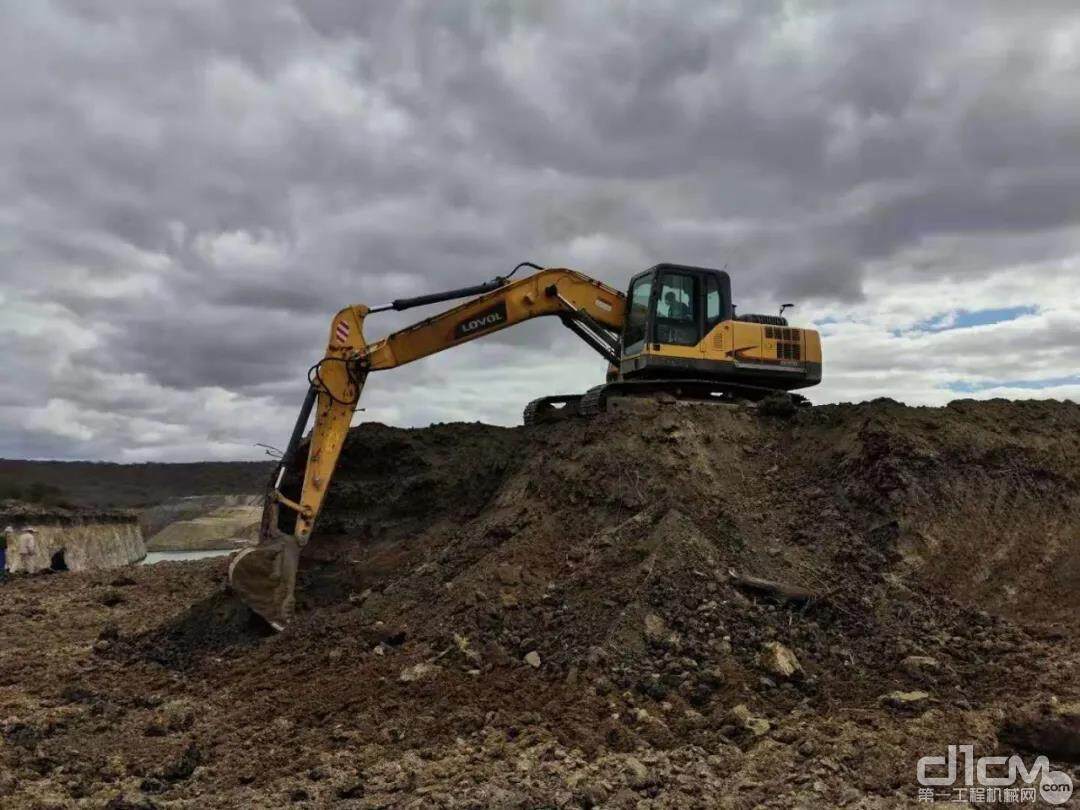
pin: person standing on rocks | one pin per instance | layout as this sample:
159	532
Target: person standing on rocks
27	548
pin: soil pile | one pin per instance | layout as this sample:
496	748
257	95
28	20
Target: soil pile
682	605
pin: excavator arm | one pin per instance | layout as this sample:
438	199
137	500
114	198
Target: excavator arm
264	576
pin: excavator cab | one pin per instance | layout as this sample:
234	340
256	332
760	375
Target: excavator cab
681	323
675	305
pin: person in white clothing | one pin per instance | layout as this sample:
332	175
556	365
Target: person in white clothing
27	548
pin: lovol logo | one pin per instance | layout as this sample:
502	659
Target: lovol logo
481	320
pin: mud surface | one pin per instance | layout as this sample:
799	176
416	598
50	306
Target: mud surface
572	616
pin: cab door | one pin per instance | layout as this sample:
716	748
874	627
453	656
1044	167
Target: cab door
638	326
716	335
677	320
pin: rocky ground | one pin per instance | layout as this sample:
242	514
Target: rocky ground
673	606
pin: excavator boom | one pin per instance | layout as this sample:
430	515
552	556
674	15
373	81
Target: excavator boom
264	576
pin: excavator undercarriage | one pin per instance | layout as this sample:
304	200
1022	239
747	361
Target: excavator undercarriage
675	333
565	406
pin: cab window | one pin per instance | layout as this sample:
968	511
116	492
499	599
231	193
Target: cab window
676	313
712	302
638	315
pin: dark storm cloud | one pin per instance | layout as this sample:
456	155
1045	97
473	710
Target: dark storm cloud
191	189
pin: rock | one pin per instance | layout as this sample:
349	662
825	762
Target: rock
921	667
508	574
533	659
713	677
637	771
508	599
183	766
786	734
906	700
335	655
779	661
781	592
740	716
177	715
849	795
426	569
656	630
419	672
778	404
466	650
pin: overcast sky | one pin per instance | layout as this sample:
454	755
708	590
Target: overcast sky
190	189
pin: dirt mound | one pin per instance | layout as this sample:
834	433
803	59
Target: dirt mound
685	605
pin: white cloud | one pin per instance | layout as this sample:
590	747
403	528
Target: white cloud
242	250
190	190
879	349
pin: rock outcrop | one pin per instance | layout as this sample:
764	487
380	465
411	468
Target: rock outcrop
72	539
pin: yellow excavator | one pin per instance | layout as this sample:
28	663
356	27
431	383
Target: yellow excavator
674	332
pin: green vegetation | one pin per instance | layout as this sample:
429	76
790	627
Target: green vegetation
33	492
105	485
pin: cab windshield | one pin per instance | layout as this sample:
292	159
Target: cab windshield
676	310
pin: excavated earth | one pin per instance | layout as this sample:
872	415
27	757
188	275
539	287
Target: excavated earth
669	606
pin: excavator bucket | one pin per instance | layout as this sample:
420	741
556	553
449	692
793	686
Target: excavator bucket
264	577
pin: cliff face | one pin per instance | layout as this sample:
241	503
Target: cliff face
73	540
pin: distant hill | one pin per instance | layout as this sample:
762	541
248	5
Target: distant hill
102	484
